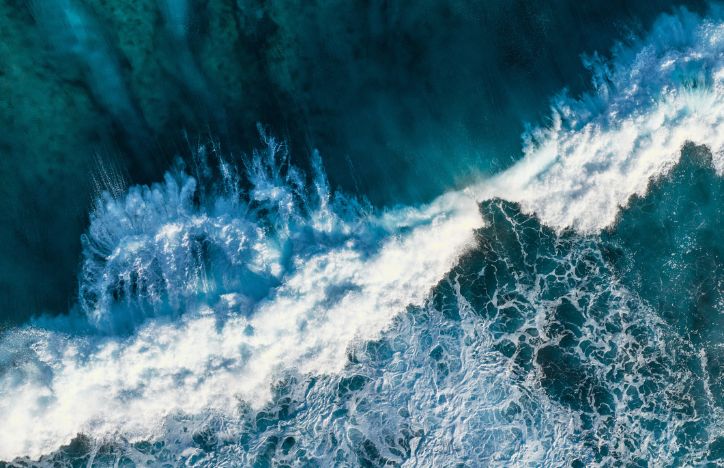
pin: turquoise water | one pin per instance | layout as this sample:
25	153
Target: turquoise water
439	285
403	103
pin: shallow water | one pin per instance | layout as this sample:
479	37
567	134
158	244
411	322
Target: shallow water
426	290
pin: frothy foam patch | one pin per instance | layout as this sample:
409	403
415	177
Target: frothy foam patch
657	94
241	289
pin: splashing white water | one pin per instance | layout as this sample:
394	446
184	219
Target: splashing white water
657	95
283	278
198	299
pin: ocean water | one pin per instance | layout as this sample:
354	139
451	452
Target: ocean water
403	103
559	307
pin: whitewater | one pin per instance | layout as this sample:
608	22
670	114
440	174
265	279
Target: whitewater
242	303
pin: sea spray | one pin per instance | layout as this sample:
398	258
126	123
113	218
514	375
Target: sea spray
222	291
600	149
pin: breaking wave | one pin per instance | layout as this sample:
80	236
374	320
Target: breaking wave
656	95
243	312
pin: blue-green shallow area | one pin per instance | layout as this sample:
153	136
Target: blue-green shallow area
403	102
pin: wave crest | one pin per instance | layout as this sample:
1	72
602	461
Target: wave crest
657	94
157	249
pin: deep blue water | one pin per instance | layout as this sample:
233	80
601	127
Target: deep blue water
458	242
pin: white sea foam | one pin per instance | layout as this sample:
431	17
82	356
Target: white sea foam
286	279
600	149
198	299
